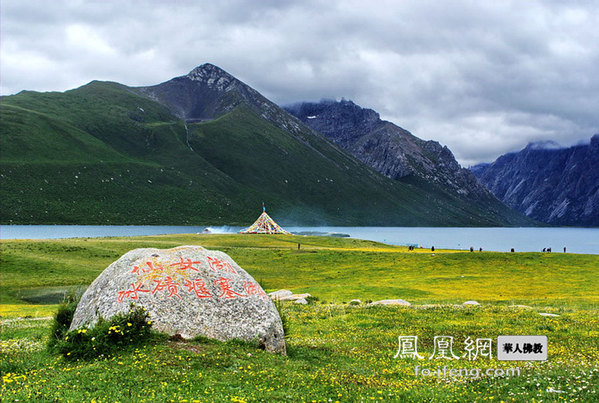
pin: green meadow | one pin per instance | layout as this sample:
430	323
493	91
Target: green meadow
337	351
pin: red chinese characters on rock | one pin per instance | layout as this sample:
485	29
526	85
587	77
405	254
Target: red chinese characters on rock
132	293
150	268
170	278
198	286
186	265
224	286
254	289
219	265
169	284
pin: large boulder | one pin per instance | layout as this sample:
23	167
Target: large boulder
188	291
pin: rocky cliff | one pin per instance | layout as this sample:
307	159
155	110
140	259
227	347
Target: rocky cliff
554	185
388	148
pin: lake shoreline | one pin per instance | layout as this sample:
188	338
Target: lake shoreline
496	239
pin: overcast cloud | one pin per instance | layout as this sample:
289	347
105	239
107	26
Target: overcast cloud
482	77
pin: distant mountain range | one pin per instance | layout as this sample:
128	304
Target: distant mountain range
202	149
555	185
393	151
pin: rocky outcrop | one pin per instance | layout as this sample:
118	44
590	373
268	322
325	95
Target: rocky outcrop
208	91
555	185
188	291
388	148
204	94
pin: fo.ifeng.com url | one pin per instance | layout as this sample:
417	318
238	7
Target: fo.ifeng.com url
473	373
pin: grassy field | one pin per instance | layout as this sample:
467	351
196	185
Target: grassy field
337	351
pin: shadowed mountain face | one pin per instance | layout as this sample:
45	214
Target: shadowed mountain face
204	94
549	184
391	150
201	149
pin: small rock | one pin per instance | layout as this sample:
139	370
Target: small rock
301	301
470	303
391	302
280	294
548	314
293	297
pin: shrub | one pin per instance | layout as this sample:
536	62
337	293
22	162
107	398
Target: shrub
62	319
106	336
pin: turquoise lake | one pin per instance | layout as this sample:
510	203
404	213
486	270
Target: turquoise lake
575	240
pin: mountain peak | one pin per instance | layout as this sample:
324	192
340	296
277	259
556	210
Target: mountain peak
205	93
543	145
207	70
213	76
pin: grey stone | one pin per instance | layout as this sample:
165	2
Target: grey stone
391	302
552	315
293	297
289	298
301	301
286	295
470	303
280	294
186	290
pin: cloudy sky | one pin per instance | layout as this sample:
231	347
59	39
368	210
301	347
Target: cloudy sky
482	77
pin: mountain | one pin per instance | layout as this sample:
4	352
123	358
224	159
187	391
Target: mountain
555	185
203	148
395	152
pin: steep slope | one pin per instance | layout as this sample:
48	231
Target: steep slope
199	149
396	153
556	186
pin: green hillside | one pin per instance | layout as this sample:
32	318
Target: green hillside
104	154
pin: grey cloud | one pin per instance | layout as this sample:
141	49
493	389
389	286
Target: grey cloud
481	77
